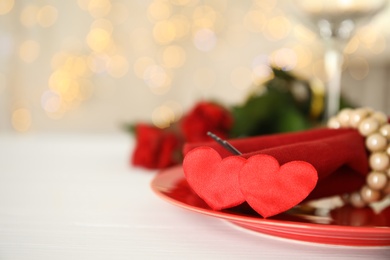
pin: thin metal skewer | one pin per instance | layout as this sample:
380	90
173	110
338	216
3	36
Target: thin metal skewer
225	144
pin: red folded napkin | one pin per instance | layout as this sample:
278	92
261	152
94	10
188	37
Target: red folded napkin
338	156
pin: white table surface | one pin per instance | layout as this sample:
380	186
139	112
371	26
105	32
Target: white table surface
77	197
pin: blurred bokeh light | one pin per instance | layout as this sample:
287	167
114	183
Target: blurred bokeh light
151	60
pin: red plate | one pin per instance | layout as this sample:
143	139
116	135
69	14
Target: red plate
341	226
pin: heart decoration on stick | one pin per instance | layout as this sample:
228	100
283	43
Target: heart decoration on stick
268	188
214	179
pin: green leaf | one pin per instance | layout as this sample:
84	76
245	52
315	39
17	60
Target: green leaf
291	120
257	115
130	128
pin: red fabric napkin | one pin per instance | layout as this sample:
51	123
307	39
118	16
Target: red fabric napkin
338	155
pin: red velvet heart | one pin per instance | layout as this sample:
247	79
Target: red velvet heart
213	179
270	188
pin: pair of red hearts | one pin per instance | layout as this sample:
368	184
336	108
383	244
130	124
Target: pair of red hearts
259	180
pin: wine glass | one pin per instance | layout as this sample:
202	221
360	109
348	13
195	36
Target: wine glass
335	21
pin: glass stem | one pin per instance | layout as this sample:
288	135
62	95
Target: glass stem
333	62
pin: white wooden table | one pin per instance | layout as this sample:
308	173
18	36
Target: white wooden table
76	197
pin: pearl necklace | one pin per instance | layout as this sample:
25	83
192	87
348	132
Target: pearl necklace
374	126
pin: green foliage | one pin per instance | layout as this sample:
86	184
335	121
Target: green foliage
283	104
130	128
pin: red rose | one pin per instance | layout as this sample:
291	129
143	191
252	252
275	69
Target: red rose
206	117
156	148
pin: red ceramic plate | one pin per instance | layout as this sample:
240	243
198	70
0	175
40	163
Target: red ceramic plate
341	226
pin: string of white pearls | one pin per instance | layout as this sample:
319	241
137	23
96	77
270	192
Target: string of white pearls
375	127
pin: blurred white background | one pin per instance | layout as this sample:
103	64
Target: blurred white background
91	65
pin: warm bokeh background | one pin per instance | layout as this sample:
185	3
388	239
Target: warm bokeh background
91	65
